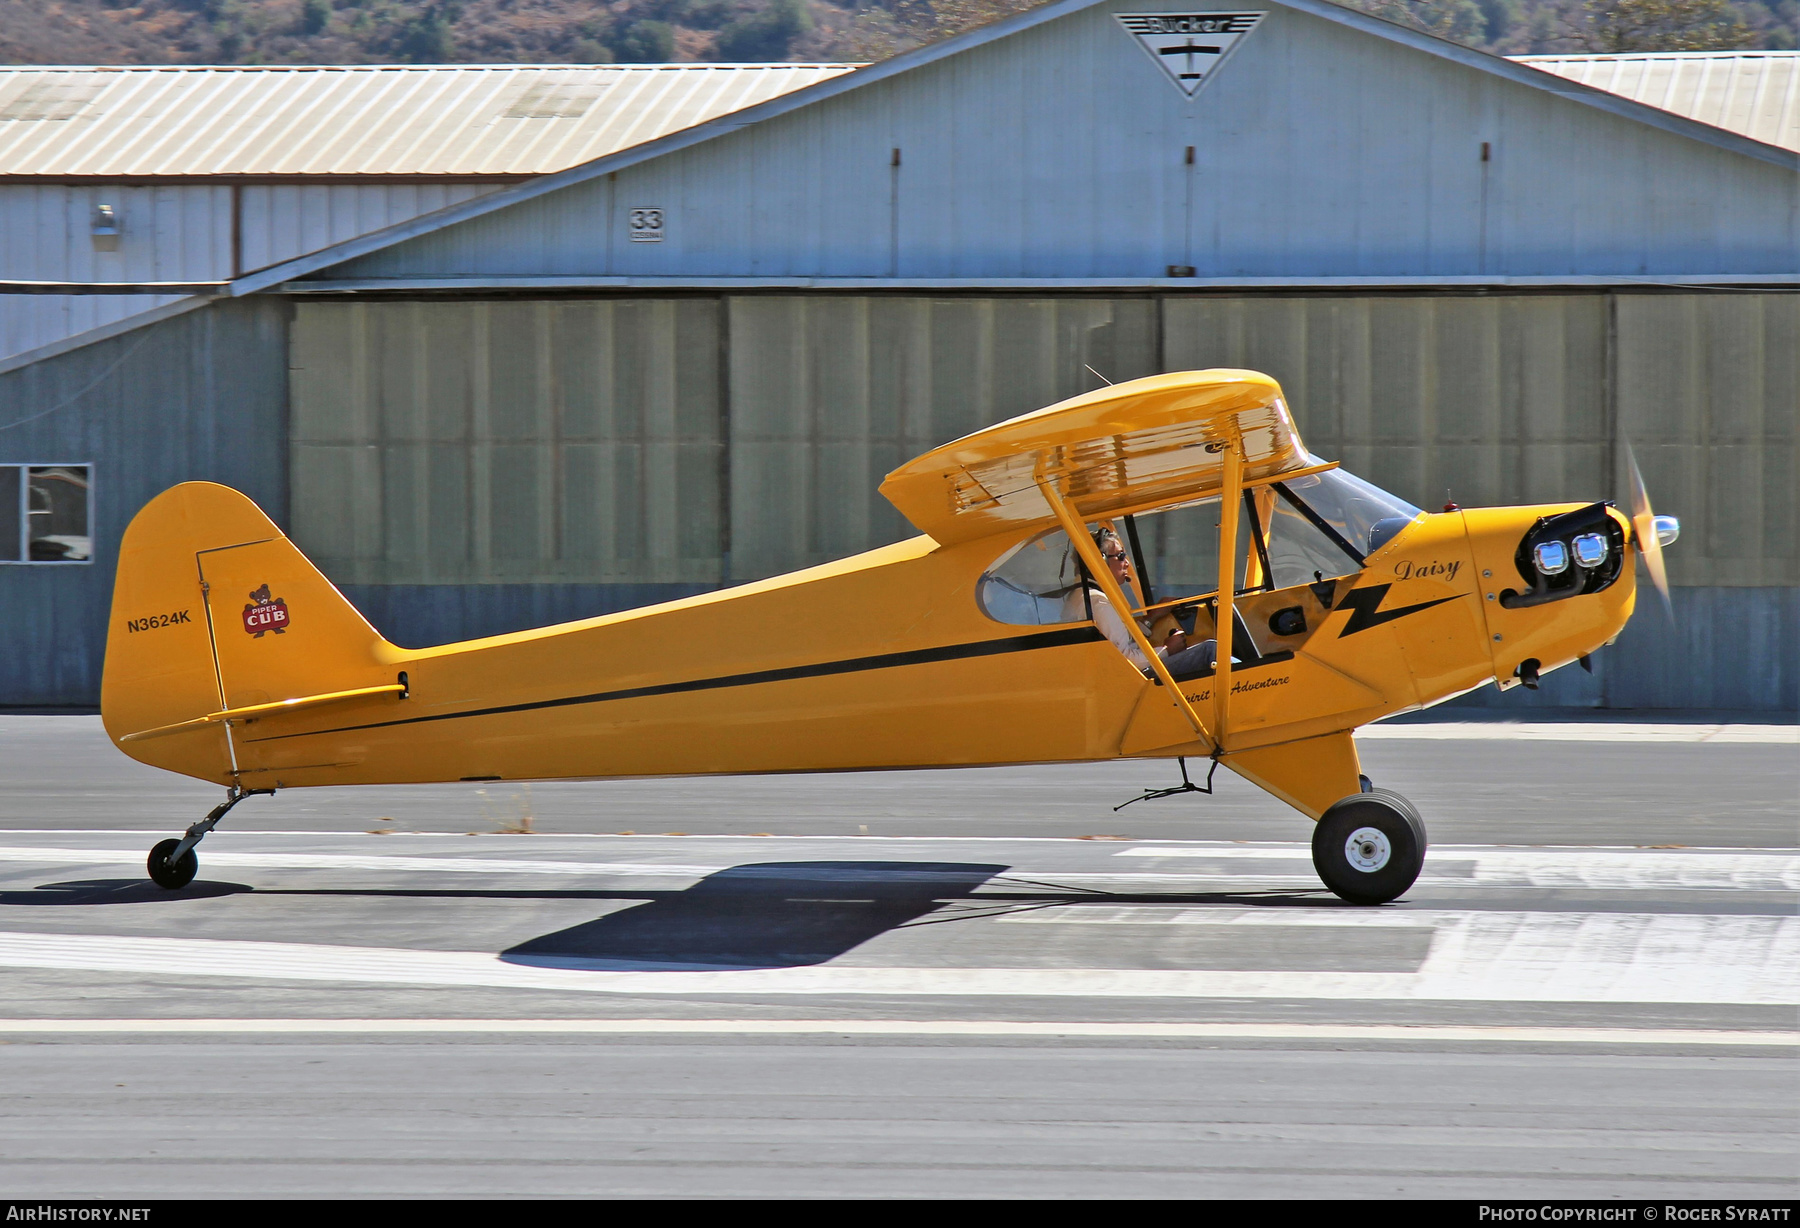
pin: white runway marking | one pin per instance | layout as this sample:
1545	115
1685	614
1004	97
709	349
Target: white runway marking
1446	865
1247	918
1605	869
399	864
1531	957
1545	954
894	1027
1582	731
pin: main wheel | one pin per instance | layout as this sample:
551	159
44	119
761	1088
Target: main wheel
173	875
1370	847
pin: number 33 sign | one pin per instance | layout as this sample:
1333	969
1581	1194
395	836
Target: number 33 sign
646	225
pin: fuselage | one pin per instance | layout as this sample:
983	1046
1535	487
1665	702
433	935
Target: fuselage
887	660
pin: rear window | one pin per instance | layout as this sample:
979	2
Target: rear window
1037	583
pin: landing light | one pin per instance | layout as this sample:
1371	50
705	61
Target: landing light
1552	558
1668	528
1590	550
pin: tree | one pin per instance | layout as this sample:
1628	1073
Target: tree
1501	17
1612	26
425	37
1460	21
644	42
888	28
767	35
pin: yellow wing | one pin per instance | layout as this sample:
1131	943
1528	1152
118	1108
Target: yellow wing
1126	447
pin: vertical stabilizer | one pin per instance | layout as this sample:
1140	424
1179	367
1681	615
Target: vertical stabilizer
214	608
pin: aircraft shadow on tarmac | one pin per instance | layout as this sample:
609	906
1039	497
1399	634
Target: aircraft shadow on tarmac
781	914
778	914
118	891
796	913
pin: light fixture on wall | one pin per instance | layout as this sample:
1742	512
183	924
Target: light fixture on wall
106	229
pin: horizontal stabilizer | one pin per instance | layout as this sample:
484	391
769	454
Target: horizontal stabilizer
252	711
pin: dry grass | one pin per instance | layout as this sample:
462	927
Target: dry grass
512	819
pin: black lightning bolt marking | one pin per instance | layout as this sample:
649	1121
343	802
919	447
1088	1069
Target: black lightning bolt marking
1362	603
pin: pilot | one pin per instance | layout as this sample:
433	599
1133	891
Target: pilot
1180	656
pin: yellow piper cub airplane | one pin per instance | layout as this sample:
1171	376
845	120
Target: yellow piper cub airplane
1329	603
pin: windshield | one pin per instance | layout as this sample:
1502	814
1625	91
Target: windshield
1299	551
1364	515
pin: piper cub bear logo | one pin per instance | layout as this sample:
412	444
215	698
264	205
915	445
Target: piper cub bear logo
265	614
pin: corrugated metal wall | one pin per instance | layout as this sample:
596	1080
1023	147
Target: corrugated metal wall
1062	152
510	442
1709	389
174	232
46	234
408	416
285	220
169	232
200	396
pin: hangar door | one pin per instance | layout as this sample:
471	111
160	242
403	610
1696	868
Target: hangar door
490	443
711	439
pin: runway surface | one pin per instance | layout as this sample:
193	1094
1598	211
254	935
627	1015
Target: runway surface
989	993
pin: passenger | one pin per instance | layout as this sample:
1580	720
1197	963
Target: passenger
1180	656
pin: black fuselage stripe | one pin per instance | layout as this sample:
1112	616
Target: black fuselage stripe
892	660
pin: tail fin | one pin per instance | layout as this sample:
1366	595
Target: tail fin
213	609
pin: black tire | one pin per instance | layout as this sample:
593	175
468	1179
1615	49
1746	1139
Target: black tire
175	876
1389	851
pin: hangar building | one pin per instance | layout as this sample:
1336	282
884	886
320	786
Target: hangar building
689	361
125	190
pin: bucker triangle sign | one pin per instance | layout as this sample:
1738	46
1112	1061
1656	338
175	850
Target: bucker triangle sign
1189	46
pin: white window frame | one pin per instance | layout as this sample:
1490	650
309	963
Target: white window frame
24	543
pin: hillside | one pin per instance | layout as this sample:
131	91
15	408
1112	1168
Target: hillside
604	31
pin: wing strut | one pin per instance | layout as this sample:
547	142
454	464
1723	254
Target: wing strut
1231	506
1090	554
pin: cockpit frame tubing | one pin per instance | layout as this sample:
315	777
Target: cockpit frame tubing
1090	555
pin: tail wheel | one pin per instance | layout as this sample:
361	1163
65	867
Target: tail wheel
172	875
1370	847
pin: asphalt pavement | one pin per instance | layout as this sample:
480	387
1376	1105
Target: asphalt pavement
980	983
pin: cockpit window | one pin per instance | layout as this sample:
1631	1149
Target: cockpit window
1174	552
1290	533
1364	515
1178	549
1037	583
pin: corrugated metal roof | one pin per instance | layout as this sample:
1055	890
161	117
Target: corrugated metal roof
450	120
1752	93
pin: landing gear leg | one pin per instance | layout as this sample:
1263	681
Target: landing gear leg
1369	847
173	863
